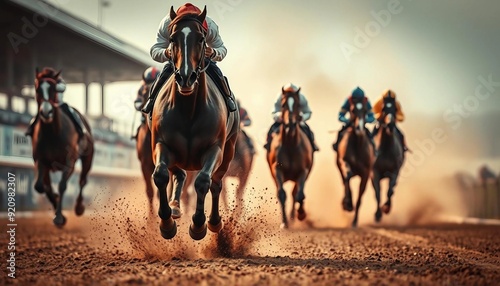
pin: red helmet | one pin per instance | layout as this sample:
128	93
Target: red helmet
150	75
190	8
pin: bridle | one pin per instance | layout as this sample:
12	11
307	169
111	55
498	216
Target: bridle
199	67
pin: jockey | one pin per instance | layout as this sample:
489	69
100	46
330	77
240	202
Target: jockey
214	52
148	77
305	112
400	117
346	107
75	118
245	121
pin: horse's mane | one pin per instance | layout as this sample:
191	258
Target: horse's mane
183	17
48	73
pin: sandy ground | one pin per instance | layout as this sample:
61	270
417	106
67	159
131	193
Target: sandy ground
87	252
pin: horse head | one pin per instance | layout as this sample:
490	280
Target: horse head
357	114
188	42
142	96
290	109
47	86
388	119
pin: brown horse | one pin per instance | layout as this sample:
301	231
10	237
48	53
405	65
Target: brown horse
191	128
355	156
56	146
390	156
290	156
143	146
239	168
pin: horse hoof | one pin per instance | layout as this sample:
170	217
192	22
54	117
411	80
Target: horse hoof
354	224
59	221
301	215
79	209
386	209
284	225
215	227
176	212
378	216
168	228
347	207
198	233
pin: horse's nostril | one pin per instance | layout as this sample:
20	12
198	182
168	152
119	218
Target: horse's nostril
192	79
178	79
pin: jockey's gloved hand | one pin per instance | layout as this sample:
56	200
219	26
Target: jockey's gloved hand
277	116
342	118
370	118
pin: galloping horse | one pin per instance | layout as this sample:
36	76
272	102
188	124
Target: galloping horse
239	168
143	146
191	128
355	155
56	146
290	156
390	156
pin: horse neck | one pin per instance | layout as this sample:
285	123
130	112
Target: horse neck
52	129
292	136
387	141
192	103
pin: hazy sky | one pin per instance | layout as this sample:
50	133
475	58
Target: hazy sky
430	53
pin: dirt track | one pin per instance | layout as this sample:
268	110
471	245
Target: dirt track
84	253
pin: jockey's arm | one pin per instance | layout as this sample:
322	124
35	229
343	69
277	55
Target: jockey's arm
214	41
343	110
245	119
277	109
400	116
158	50
306	112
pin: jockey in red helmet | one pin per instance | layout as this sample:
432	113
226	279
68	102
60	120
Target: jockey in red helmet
214	52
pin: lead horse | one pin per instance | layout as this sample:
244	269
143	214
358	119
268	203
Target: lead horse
390	156
290	156
56	146
355	156
191	128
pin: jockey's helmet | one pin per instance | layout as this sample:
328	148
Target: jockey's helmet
358	93
150	75
192	9
389	93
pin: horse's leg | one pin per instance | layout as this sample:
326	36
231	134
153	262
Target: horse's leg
294	195
40	177
168	227
392	183
281	196
60	220
178	180
347	201
86	165
362	187
53	197
186	196
150	193
215	222
301	213
202	183
376	186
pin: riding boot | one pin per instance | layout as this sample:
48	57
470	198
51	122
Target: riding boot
310	135
269	133
75	118
31	127
340	135
167	71
222	83
403	140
